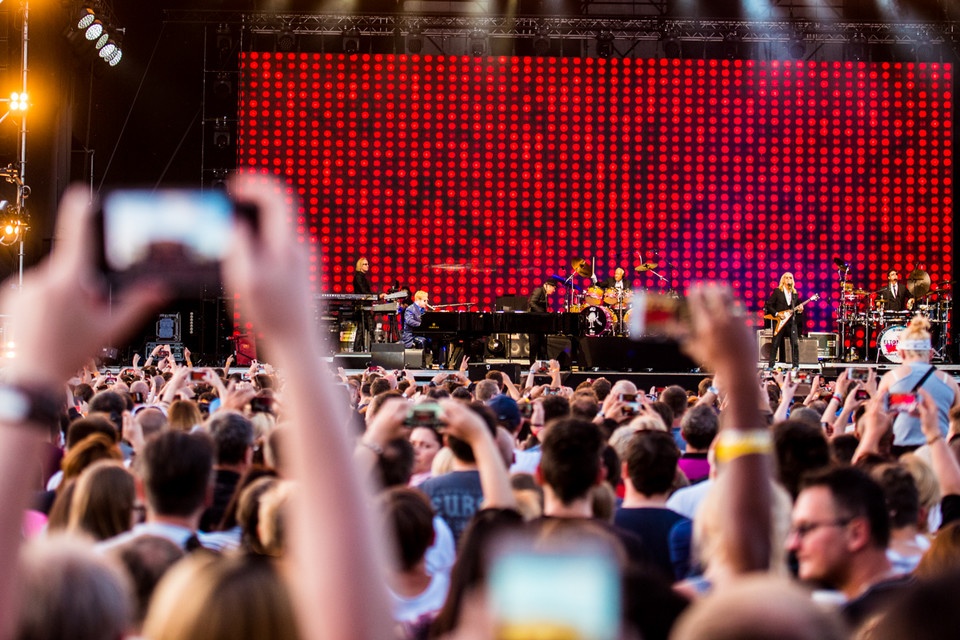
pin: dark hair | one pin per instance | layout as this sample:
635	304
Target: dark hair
900	491
395	465
699	426
470	569
232	436
555	407
378	386
146	559
83	391
602	388
571	458
800	447
856	496
462	393
664	411
111	403
584	407
704	386
675	397
842	447
652	461
611	461
496	376
96	423
460	449
249	476
410	515
438	393
177	469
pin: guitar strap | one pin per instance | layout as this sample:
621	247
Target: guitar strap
923	379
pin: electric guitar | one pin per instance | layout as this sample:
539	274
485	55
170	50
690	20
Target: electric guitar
783	319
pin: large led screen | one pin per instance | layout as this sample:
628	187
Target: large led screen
474	178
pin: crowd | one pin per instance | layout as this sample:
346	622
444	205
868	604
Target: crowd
294	501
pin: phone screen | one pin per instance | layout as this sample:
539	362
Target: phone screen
554	594
902	402
179	235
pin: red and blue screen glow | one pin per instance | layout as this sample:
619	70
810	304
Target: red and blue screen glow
474	178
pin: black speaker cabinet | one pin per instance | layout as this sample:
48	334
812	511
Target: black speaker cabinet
808	348
828	345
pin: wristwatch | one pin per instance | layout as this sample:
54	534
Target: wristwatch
35	404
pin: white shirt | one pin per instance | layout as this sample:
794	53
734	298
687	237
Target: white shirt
687	500
427	603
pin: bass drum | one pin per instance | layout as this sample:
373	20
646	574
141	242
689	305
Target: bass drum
597	321
888	341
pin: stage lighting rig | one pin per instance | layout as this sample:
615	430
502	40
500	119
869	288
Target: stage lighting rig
478	43
94	22
351	41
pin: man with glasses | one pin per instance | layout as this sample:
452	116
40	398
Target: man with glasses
840	534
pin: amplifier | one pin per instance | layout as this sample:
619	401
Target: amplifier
828	345
808	348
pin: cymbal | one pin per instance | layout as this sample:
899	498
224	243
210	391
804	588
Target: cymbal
562	282
582	267
918	283
646	266
860	292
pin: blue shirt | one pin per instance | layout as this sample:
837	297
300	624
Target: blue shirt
906	428
411	320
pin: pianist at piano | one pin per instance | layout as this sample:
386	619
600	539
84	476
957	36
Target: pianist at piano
411	321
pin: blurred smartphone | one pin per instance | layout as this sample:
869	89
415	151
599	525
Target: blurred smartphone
551	391
631	408
557	591
903	402
862	394
424	414
858	374
628	397
137	397
655	314
177	235
526	409
261	405
196	375
541	367
802	376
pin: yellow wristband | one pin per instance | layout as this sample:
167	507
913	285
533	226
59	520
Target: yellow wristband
733	444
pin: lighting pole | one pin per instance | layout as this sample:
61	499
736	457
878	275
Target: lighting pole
23	190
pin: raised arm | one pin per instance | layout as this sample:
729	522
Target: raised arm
723	341
338	587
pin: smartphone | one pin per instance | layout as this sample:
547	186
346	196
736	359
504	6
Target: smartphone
261	404
631	408
656	314
541	367
424	414
526	409
554	590
551	391
196	375
180	235
858	374
628	397
862	394
802	376
903	402
137	397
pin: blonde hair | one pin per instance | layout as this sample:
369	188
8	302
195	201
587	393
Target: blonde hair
421	295
360	261
442	462
183	415
928	487
784	277
208	597
710	541
918	329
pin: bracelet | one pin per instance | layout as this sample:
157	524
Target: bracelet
837	397
933	439
373	446
734	444
712	389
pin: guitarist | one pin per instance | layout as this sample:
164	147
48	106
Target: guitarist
784	300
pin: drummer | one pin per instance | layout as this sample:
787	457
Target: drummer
895	296
617	281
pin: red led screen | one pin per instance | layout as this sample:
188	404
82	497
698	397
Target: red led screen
478	177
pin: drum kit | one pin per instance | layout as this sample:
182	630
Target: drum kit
867	310
603	312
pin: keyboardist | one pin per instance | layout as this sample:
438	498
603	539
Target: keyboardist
411	321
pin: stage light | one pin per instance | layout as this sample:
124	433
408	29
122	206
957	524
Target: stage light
107	51
94	30
115	58
797	48
541	44
102	41
87	16
605	45
478	43
286	41
415	41
18	101
351	40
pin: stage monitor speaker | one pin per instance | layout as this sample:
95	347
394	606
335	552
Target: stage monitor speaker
512	346
477	371
351	360
808	348
624	354
388	355
827	345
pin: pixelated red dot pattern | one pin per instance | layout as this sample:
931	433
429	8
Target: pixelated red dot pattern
478	177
